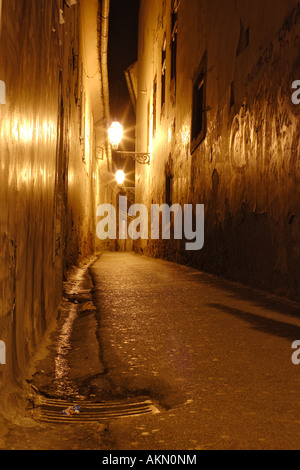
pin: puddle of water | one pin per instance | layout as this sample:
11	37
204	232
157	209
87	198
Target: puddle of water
61	382
63	387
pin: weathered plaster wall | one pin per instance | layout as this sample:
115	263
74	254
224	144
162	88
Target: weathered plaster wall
49	178
247	169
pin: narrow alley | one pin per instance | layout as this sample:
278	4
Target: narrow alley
149	226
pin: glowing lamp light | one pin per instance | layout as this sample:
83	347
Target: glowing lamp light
120	177
115	134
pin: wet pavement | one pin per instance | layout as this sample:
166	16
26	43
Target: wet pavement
215	355
211	358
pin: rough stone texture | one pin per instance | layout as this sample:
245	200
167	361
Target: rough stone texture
49	180
247	170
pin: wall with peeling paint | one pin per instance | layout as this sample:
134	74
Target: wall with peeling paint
247	169
50	177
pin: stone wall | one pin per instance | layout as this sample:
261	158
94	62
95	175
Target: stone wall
247	169
50	178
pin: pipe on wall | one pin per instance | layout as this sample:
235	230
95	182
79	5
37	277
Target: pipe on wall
103	29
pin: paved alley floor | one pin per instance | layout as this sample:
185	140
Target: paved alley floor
215	356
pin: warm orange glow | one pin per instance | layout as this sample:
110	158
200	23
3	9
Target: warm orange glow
115	134
120	177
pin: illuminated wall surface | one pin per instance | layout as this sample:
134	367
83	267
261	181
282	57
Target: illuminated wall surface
235	60
49	178
246	166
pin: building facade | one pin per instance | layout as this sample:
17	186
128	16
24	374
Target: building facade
214	109
54	162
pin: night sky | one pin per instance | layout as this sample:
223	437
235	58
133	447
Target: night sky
122	52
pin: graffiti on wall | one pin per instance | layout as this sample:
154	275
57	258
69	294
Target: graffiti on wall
241	138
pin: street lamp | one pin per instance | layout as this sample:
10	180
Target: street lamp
120	177
115	134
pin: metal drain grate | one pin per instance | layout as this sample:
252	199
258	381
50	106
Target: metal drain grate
49	410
